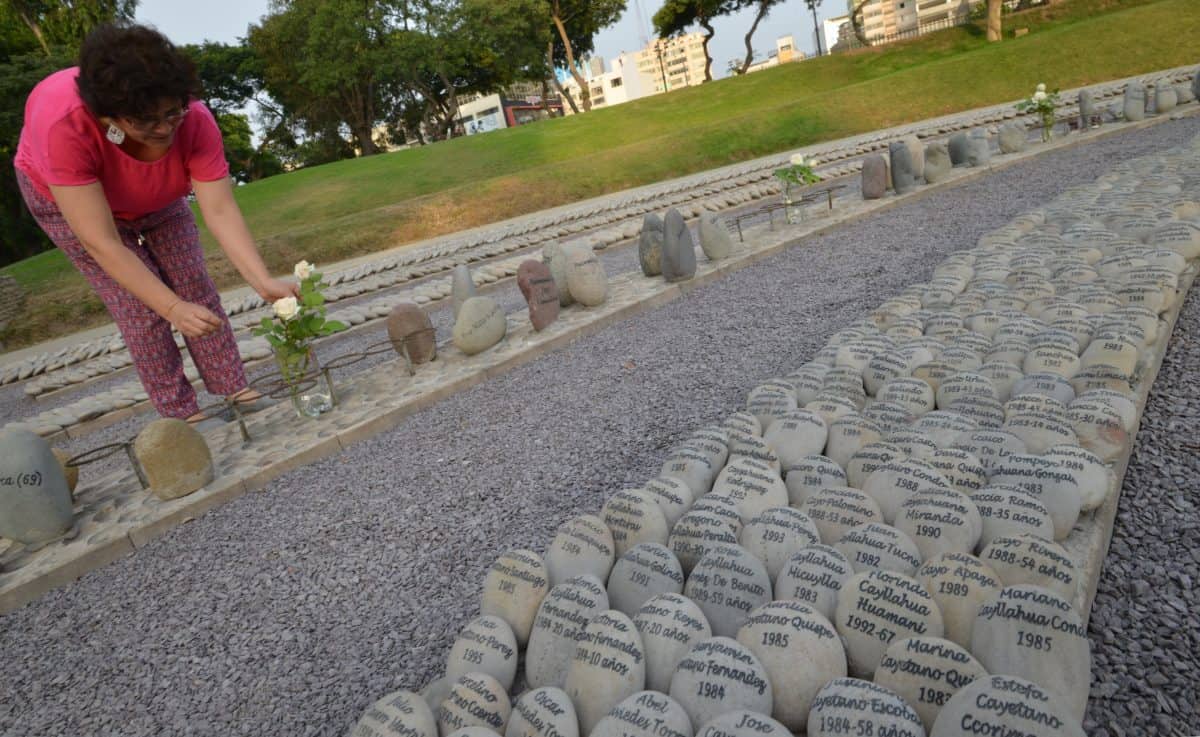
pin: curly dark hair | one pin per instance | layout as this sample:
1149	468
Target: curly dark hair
126	70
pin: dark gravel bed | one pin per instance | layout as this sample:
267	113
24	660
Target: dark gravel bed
287	612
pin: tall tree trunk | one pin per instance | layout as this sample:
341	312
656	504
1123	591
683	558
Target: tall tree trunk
34	27
994	32
365	141
584	93
452	102
816	28
562	92
762	10
546	98
706	24
856	23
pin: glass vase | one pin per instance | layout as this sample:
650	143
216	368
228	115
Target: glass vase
793	210
306	383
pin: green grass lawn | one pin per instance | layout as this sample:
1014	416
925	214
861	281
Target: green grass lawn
355	207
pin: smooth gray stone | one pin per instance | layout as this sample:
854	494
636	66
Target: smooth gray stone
1013	139
485	645
979	149
650	244
174	456
1087	109
462	287
874	177
678	252
542	712
645	714
1006	704
555	256
480	325
849	706
669	625
958	149
903	174
560	618
1196	84
398	714
1165	98
916	151
1134	105
727	584
35	501
474	700
1184	94
608	666
720	675
937	163
714	237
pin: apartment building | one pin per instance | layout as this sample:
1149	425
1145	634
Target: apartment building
671	63
621	83
889	18
785	51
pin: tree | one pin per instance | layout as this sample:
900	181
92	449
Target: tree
55	23
994	9
763	7
230	75
676	16
812	6
577	23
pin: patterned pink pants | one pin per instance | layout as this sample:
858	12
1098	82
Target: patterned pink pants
168	243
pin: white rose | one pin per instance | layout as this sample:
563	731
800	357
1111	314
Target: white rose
303	270
1039	96
1041	87
286	308
799	160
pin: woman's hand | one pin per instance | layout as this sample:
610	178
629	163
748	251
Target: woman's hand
273	289
193	320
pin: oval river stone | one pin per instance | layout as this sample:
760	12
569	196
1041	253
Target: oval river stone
513	590
1005	705
848	706
669	625
543	712
485	645
563	614
927	672
399	714
717	676
645	714
876	608
608	666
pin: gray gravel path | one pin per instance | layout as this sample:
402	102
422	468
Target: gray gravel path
287	612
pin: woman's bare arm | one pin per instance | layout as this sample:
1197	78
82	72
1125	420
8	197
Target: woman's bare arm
224	219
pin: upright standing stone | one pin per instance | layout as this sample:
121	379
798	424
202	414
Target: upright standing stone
714	237
586	279
554	255
410	329
1006	705
634	518
537	287
174	457
1165	98
513	590
609	665
979	148
670	625
462	286
542	712
937	163
481	324
903	175
916	152
678	251
874	177
720	675
399	714
1013	138
35	503
782	634
560	618
650	245
1196	84
70	472
1087	109
958	149
1135	102
1027	559
1031	632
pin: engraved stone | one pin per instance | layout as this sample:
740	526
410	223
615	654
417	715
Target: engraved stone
475	700
481	324
1011	510
878	546
914	395
795	436
1005	705
848	435
775	534
586	279
878	607
693	467
714	237
927	672
634	518
870	459
644	571
673	496
1028	559
1093	477
814	575
849	706
541	295
513	590
399	714
543	712
174	457
1053	484
990	446
752	485
1032	633
717	676
609	666
743	723
960	584
582	545
669	625
896	481
645	714
940	521
410	329
783	634
485	645
810	474
943	427
561	617
962	469
837	509
696	533
554	255
772	400
1099	428
650	244
727	584
35	503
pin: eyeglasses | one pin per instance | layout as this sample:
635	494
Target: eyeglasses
171	118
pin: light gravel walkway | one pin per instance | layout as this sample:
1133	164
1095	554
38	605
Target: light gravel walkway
287	612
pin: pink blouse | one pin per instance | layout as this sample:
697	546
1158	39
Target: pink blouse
62	143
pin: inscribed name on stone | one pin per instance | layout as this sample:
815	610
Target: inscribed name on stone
670	625
927	672
878	607
582	545
609	665
720	675
775	534
562	616
475	700
543	712
1005	704
837	509
634	517
645	714
960	584
877	546
812	473
727	584
1028	559
399	714
846	707
513	590
814	575
485	645
941	521
644	571
696	533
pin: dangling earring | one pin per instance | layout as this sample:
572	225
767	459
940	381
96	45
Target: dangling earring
115	134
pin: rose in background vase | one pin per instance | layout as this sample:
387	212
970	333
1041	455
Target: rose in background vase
297	322
795	177
1043	104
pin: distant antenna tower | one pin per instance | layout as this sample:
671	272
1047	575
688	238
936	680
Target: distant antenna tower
643	26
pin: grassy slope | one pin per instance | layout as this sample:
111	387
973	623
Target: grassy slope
359	206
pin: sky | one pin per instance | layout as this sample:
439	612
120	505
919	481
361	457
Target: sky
227	20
